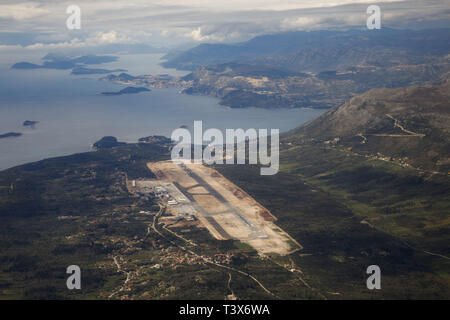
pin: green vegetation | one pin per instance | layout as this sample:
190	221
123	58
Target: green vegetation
350	212
55	213
347	210
76	210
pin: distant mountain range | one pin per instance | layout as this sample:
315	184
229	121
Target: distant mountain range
318	51
318	69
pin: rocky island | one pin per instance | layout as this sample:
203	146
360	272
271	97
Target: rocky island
61	62
107	143
150	81
30	123
127	90
86	71
10	135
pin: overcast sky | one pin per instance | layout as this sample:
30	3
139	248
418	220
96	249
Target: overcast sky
41	24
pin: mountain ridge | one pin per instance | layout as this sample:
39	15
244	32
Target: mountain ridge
410	125
318	51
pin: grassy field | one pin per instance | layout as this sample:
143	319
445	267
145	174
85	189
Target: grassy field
350	212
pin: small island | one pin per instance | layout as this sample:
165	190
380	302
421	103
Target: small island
30	123
108	142
86	71
10	135
62	62
25	65
127	90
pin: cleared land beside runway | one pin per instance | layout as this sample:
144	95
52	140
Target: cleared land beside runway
224	209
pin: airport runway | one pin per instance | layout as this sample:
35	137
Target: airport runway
255	232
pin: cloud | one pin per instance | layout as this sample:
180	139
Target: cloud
299	23
111	37
22	11
400	14
314	21
176	21
94	40
217	33
271	5
196	34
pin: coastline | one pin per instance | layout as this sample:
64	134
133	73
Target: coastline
76	115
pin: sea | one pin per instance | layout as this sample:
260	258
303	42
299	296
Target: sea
73	114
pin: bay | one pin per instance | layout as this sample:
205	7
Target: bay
72	113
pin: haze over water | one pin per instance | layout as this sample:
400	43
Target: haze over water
72	113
